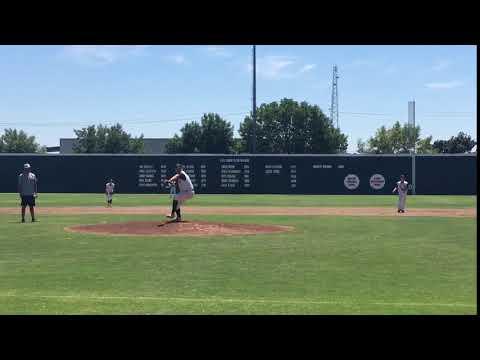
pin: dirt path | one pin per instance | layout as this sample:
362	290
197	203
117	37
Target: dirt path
290	211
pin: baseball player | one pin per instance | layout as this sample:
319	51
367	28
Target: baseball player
109	189
402	188
184	191
27	189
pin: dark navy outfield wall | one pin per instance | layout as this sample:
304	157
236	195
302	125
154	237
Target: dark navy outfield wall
453	175
237	174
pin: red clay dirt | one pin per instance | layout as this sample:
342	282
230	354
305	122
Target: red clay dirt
289	211
184	228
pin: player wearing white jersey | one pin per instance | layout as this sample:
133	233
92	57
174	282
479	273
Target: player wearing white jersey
109	190
402	188
185	191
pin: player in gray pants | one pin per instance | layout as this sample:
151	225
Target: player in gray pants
183	191
402	188
27	189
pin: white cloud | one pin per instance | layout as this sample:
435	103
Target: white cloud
176	59
101	54
218	51
441	65
444	85
307	68
274	67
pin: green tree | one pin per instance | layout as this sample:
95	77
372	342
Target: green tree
212	135
87	140
216	135
459	144
396	140
441	146
109	140
13	141
292	128
174	145
425	146
191	137
382	142
237	146
361	146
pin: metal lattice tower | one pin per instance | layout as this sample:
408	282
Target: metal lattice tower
334	104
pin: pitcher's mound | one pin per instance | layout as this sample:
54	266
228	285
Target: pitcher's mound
184	228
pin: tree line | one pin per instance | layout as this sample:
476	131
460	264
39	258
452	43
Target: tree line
284	127
404	139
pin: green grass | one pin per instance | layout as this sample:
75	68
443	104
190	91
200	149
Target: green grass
328	265
417	201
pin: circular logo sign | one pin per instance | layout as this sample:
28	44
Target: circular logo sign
377	181
351	181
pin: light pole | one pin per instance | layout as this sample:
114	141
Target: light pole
254	103
413	150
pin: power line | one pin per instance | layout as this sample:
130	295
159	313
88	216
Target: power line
448	116
81	123
453	112
363	113
192	117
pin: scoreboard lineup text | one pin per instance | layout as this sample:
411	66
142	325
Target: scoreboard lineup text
270	174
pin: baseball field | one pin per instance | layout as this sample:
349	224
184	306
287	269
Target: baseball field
311	255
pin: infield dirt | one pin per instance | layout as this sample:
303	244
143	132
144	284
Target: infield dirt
171	228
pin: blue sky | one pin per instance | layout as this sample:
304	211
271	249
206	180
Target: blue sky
154	90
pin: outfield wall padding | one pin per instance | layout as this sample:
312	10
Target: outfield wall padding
244	174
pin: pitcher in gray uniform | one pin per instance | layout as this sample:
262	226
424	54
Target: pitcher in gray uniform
184	191
402	188
27	189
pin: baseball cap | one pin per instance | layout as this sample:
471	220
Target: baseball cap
26	166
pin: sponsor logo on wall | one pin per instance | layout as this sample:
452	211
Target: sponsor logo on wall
377	182
351	181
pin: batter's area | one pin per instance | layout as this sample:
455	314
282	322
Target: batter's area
244	210
184	228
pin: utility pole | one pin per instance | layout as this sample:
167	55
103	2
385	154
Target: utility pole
334	103
411	123
254	103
